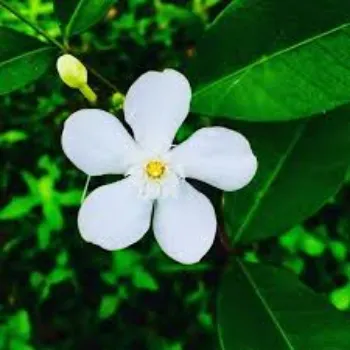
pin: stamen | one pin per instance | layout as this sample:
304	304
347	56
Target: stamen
155	169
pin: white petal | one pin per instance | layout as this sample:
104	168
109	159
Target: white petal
97	143
185	226
114	216
155	107
219	156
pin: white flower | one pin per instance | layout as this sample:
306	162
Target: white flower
117	215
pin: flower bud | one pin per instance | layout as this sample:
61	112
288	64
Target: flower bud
74	74
117	100
72	71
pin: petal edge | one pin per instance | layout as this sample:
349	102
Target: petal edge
218	156
97	143
185	226
155	106
114	216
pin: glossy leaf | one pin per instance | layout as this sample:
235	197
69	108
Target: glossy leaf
274	60
301	165
23	59
77	16
264	308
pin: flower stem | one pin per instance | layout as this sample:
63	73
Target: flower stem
32	25
83	196
102	78
225	240
88	93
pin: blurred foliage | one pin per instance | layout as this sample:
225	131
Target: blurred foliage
57	292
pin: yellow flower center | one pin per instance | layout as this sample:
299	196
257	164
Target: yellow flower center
155	169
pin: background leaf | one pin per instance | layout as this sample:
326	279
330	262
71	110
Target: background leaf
262	307
12	136
20	325
301	165
18	207
142	279
78	15
23	59
280	61
108	306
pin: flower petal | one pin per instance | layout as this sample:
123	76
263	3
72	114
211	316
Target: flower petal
185	226
219	156
97	143
115	216
155	107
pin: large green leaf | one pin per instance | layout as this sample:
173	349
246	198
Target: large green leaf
23	59
274	60
264	308
78	15
301	165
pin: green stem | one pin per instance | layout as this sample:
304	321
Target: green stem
102	78
88	93
32	25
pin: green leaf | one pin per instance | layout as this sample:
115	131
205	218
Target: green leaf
339	250
23	59
44	234
109	305
59	275
142	279
262	307
62	258
291	239
20	326
53	215
36	279
124	262
348	176
18	207
77	16
301	165
47	164
49	200
312	245
340	297
70	198
274	60
31	182
13	136
17	344
295	264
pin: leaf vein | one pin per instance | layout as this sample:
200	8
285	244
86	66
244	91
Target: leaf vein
276	54
29	53
73	17
269	181
266	306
